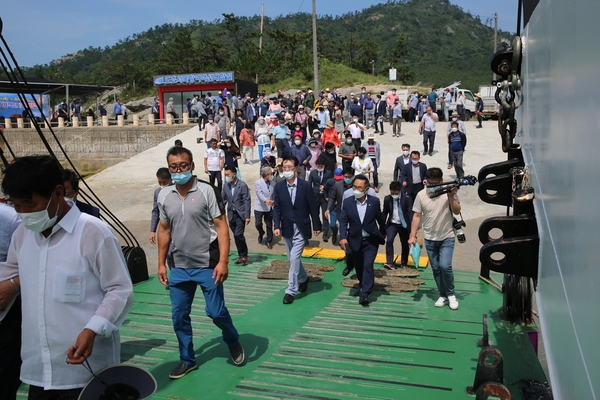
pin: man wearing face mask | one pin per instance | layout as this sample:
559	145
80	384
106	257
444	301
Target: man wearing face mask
457	142
391	102
317	178
223	122
71	185
334	207
362	230
427	129
461	127
396	118
401	162
294	206
281	133
302	154
398	218
347	151
330	157
214	160
189	210
437	217
323	117
236	196
263	206
413	176
356	130
90	290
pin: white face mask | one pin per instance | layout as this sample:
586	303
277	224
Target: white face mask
349	141
220	113
355	120
320	169
298	142
406	153
415	162
39	221
228	179
454	129
72	200
288	174
395	196
358	194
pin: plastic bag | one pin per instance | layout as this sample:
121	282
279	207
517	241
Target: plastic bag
415	253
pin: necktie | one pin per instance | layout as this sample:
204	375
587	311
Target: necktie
320	176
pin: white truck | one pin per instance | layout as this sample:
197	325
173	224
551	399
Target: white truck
470	101
490	107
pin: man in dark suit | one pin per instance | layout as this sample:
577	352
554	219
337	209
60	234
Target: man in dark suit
334	208
398	218
413	176
380	112
236	197
294	206
71	184
318	178
362	229
401	161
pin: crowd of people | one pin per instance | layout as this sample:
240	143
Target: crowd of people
318	173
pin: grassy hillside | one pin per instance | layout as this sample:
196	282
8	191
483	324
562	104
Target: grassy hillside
428	41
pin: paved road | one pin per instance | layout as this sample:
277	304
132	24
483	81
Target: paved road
127	188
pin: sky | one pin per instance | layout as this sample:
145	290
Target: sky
40	32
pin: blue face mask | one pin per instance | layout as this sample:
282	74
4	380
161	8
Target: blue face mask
181	178
348	181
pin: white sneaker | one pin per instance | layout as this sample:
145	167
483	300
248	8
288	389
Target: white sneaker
453	302
441	302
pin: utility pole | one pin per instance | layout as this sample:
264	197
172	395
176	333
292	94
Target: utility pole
373	66
315	55
262	21
495	39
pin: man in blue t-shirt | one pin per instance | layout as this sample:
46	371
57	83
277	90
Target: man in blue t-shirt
432	98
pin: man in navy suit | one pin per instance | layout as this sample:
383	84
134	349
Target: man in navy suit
71	184
318	178
236	196
413	176
294	206
362	229
398	218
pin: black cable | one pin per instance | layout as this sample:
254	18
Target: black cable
123	231
519	12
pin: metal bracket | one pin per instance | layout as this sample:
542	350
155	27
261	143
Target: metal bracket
499	168
496	190
488	372
511	227
520	256
485	340
495	389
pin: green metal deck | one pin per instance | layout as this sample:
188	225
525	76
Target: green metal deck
325	345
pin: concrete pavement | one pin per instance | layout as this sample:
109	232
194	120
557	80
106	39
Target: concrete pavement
127	188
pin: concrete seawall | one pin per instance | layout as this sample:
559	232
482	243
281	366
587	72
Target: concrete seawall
93	148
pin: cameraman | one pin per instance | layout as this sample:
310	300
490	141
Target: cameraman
436	214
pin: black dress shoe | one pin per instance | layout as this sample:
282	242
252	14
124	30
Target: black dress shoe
269	245
288	299
303	286
260	239
363	300
346	271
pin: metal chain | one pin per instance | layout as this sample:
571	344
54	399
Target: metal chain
509	95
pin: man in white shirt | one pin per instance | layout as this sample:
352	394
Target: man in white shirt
214	160
71	305
427	129
437	217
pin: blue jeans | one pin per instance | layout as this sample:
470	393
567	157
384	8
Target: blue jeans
440	258
182	288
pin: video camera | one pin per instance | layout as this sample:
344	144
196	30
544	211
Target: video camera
446	187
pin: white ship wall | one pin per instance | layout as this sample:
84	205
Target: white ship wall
560	127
